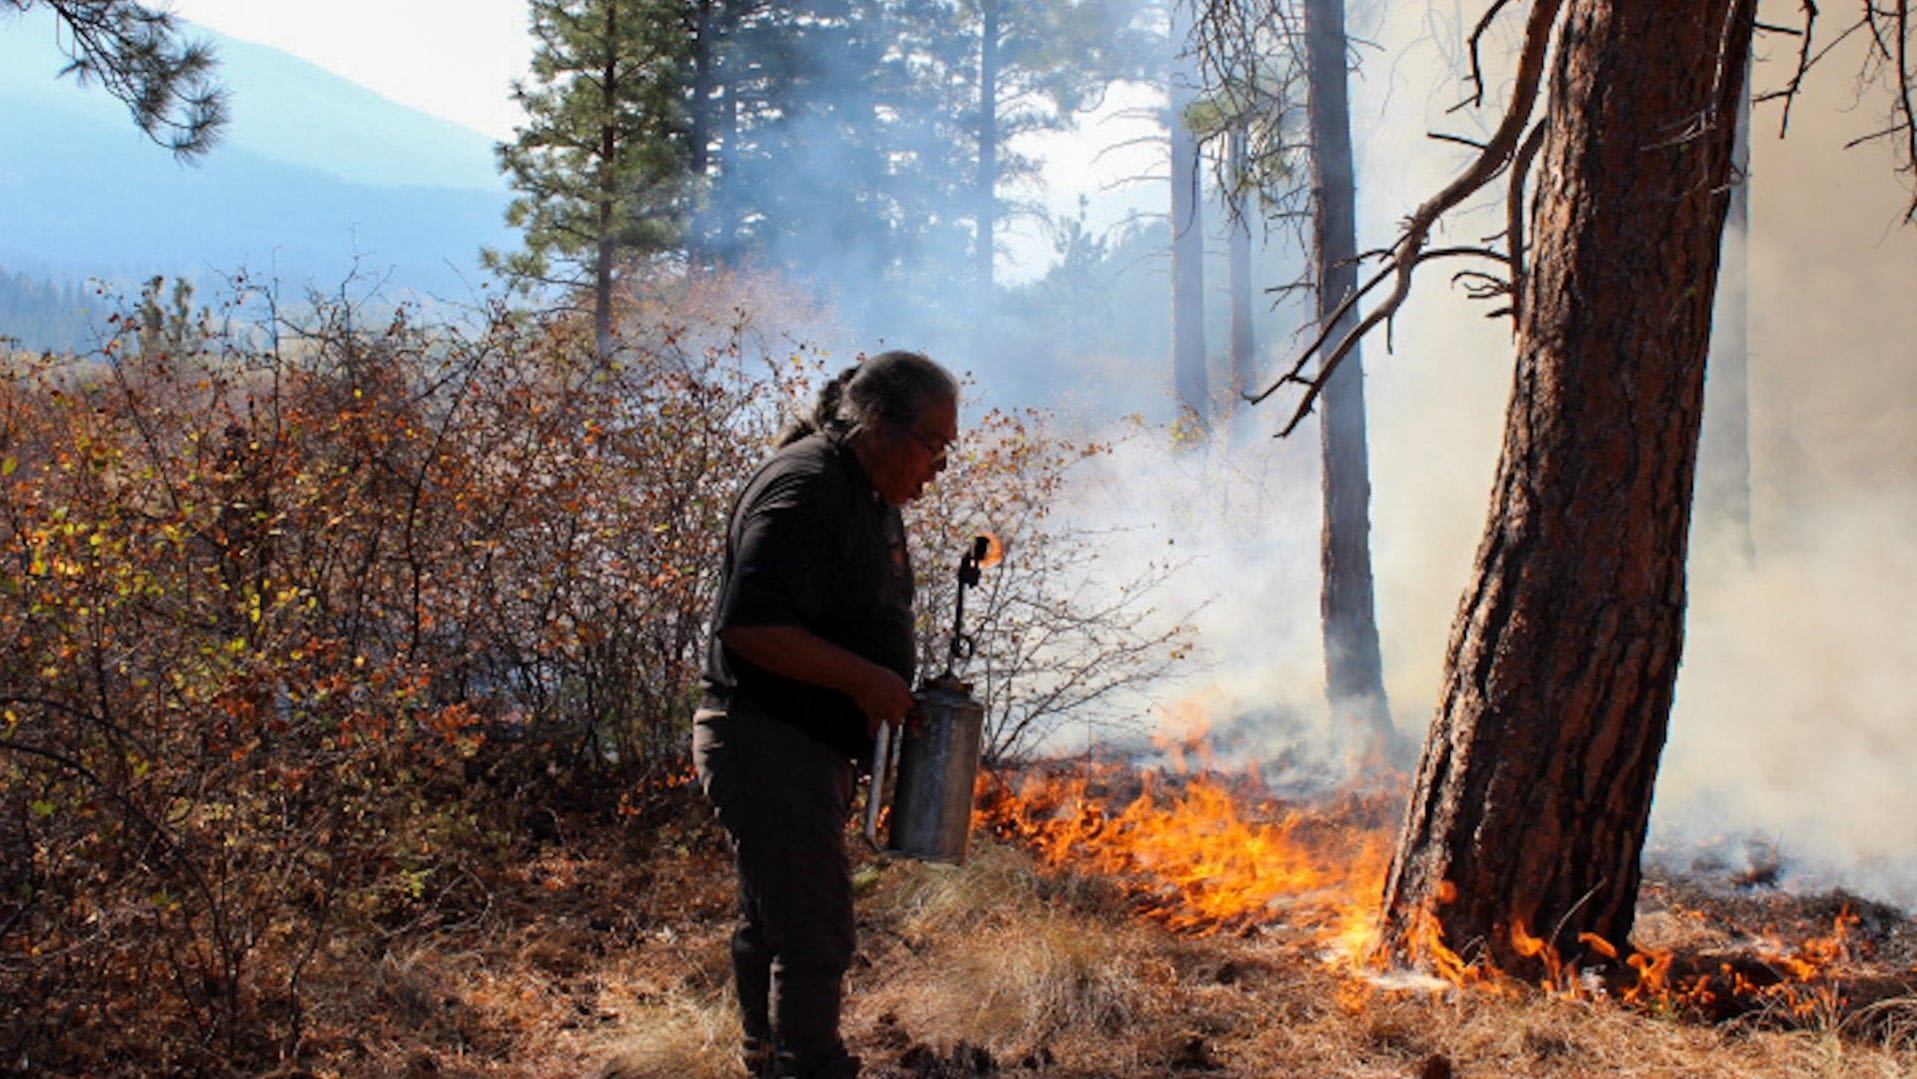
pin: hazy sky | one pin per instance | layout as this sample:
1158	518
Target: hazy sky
455	59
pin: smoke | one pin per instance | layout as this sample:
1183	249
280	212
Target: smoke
1238	522
1793	720
1792	732
1793	723
1792	738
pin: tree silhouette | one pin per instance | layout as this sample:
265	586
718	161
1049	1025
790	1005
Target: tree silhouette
136	52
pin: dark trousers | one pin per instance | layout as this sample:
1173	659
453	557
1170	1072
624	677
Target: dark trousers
784	797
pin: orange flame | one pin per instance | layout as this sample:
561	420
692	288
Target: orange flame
1210	854
994	551
1195	861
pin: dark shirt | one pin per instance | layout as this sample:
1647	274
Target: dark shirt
812	545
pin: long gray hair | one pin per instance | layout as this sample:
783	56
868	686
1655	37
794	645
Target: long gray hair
888	391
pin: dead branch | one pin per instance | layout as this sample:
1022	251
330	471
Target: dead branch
1461	140
1886	26
1479	285
1808	57
1514	211
1403	258
1894	41
1477	67
1247	53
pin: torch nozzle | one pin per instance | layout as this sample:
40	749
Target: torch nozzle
985	550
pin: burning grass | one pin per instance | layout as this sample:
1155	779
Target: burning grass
1203	854
1009	967
599	947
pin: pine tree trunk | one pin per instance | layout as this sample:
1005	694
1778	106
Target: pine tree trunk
1534	792
705	58
1354	664
1191	379
1243	346
608	192
730	74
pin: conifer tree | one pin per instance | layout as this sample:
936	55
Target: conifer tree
603	162
136	52
816	109
1033	67
865	145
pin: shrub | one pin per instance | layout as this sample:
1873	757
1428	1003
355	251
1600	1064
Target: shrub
267	610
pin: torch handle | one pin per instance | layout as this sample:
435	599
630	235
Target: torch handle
874	799
962	646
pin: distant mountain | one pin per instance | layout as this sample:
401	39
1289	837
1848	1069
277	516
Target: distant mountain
314	176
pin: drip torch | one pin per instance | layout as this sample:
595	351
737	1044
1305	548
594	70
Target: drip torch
936	755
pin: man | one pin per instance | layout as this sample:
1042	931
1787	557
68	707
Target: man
811	650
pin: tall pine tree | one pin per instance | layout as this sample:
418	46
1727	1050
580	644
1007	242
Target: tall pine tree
862	145
603	163
816	104
1028	68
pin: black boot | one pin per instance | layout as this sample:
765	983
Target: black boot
761	1062
842	1066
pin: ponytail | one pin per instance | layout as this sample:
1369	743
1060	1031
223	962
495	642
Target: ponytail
889	389
825	410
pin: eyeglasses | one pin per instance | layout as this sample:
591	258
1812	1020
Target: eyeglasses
932	444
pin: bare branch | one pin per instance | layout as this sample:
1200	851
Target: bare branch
1404	256
1477	67
1481	285
1807	57
1894	42
1461	140
1886	26
1514	211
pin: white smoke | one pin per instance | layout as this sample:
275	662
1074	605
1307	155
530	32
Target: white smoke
1793	732
1795	718
1793	728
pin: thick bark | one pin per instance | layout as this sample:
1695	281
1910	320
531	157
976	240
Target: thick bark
1191	380
1354	665
1534	792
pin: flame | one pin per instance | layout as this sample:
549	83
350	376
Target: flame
1205	854
1192	859
994	550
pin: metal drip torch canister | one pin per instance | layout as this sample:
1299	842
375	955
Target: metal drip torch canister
937	754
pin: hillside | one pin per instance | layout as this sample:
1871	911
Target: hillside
315	177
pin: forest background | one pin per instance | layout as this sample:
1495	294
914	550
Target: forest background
251	547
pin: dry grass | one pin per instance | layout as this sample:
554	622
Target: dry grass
677	1038
1035	972
613	962
1052	976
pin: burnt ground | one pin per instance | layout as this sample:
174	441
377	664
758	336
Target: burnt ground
1001	968
598	948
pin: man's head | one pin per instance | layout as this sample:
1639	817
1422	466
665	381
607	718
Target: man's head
900	411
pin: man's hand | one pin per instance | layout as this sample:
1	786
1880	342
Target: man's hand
798	653
884	698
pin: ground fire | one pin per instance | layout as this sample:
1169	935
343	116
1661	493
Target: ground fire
1206	853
